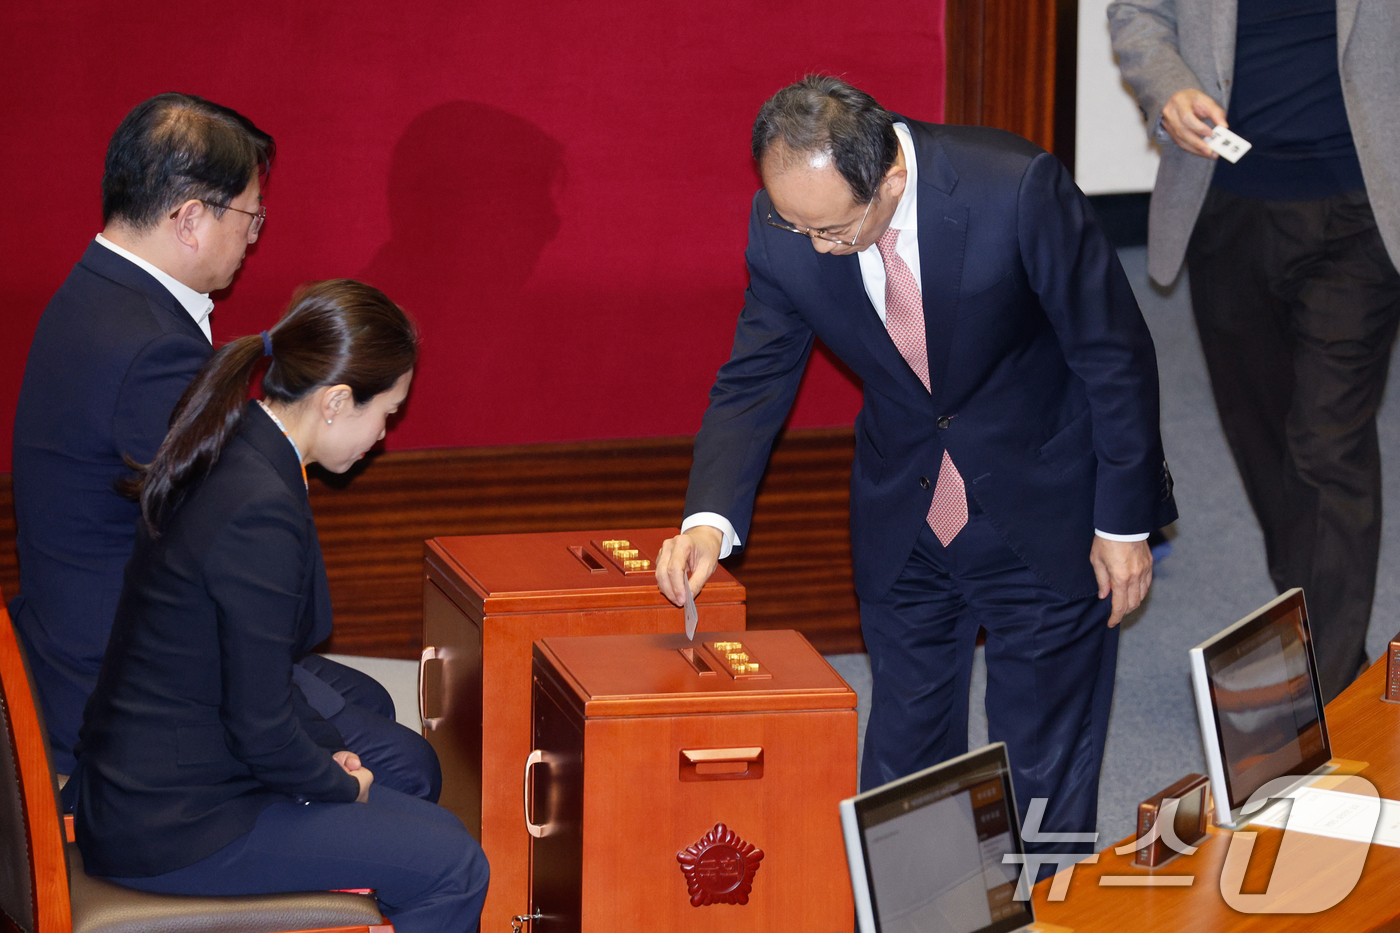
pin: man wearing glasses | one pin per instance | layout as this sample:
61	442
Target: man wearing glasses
114	349
1008	463
113	352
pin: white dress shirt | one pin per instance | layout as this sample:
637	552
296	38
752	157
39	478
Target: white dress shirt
872	274
906	221
198	304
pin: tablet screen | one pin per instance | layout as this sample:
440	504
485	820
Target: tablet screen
934	848
1267	710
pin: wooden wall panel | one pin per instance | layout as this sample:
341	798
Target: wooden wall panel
9	565
1011	64
372	523
796	567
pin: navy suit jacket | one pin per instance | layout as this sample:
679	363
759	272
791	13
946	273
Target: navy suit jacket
195	726
112	354
1043	373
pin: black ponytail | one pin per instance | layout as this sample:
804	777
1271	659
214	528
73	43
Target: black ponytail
335	332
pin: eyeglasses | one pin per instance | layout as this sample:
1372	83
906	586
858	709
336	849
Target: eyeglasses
817	235
258	217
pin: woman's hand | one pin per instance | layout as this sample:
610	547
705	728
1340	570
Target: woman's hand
351	763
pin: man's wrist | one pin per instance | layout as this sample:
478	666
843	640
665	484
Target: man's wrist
729	540
707	534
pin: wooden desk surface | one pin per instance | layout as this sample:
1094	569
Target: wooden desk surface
1362	728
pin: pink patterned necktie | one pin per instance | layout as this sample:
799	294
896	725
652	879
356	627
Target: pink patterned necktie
904	319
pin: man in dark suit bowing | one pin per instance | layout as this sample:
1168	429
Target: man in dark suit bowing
113	351
1008	462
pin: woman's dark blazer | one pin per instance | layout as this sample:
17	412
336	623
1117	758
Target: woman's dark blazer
195	727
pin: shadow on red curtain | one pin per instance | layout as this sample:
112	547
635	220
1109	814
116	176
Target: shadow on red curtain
557	192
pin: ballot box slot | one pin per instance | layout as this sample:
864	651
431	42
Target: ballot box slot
721	764
586	558
697	661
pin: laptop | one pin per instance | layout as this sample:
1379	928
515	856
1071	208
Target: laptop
925	852
1260	706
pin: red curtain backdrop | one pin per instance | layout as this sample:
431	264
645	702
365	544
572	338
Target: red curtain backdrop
557	191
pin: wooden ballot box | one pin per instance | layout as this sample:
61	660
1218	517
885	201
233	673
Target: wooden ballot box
485	600
689	788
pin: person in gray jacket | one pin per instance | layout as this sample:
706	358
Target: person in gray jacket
1292	253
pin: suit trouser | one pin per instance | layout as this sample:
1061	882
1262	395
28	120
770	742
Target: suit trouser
1050	669
428	872
1296	303
399	757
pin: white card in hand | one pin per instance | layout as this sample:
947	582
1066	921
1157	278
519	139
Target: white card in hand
1229	145
692	618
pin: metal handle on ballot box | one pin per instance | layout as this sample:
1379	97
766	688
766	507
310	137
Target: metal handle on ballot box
536	829
429	654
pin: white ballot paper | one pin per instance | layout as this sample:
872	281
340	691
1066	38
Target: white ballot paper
1338	815
692	618
1227	144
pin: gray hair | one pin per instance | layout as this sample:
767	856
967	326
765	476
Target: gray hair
823	119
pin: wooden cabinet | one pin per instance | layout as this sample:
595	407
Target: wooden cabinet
486	598
683	797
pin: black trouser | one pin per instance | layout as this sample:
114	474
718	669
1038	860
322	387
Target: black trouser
1296	303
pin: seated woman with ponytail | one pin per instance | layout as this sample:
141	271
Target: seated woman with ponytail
200	770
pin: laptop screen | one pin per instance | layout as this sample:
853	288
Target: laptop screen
933	846
1266	704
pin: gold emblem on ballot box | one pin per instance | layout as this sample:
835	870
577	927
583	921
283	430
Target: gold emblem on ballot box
719	869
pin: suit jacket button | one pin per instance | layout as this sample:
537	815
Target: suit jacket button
923	481
944	422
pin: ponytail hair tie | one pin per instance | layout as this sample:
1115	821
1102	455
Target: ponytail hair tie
267	343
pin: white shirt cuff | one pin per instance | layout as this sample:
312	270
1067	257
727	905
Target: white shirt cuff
1104	534
731	540
715	520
